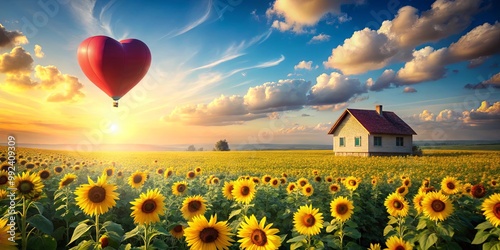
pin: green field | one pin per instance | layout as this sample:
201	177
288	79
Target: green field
58	219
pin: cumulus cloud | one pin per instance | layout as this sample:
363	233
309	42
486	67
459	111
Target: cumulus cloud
365	50
448	115
333	89
298	15
426	116
409	90
479	42
11	38
62	87
303	65
38	51
427	65
281	95
494	81
16	62
383	82
485	112
320	38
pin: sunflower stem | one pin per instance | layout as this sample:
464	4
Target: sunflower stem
341	235
24	225
97	227
146	239
66	191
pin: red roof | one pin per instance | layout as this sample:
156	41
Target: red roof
387	123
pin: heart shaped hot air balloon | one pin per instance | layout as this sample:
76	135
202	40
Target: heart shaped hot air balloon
115	67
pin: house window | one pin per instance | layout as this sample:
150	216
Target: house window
357	141
377	140
399	141
342	141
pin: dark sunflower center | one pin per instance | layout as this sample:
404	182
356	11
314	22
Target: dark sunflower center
3	179
104	242
230	188
194	206
215	181
317	178
341	209
400	248
137	179
478	191
191	174
109	172
97	194
181	188
398	205
309	220
494	183
267	179
178	229
245	190
401	190
148	206
308	190
259	237
160	171
303	183
209	234
67	181
44	175
25	187
450	185
334	188
58	169
275	182
292	187
352	182
169	173
496	210
407	182
438	205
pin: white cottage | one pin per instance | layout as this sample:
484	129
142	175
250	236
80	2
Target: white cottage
371	132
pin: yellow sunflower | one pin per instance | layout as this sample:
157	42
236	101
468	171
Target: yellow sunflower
437	206
191	174
402	190
215	181
44	174
308	221
283	180
66	180
5	243
302	182
351	183
266	179
417	202
466	188
243	191
375	246
256	180
179	188
227	189
208	234
28	185
396	243
491	209
329	178
450	185
148	207
291	187
160	171
193	206
317	178
275	182
137	179
177	231
256	235
169	172
58	169
104	241
334	188
396	205
4	178
109	171
3	194
406	182
198	170
478	191
96	198
341	208
307	190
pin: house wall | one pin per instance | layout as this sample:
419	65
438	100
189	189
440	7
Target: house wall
389	144
350	128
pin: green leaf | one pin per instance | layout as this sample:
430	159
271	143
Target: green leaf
422	223
61	207
159	244
131	233
352	233
234	213
299	238
38	207
80	230
483	226
392	220
445	231
427	240
492	245
388	229
41	223
110	226
44	242
480	237
330	228
296	245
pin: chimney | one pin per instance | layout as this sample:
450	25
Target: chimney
378	108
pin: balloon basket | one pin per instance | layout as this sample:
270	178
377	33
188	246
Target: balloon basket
115	104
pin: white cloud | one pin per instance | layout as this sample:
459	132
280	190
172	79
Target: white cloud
427	65
333	89
61	87
383	82
298	15
320	38
426	116
15	62
281	95
409	90
38	51
303	65
480	42
448	115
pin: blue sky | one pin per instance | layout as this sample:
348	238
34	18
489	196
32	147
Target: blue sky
279	71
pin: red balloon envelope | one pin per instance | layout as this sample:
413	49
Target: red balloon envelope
115	67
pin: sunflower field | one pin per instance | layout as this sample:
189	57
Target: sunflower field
257	200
